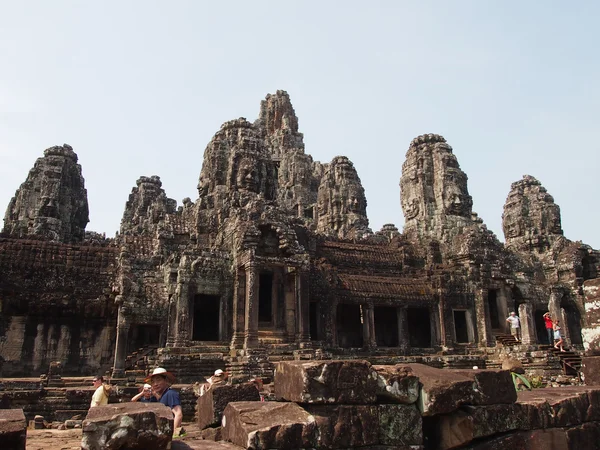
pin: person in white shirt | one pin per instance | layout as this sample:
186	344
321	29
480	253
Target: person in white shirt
515	326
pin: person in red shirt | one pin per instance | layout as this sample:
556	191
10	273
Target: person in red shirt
549	328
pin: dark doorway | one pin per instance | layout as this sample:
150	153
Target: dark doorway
386	326
206	318
540	327
573	324
314	321
460	327
349	326
419	327
142	336
265	298
493	307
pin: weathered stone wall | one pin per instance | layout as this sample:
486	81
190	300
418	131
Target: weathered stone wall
56	305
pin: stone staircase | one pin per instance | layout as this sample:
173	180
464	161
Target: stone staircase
570	360
506	340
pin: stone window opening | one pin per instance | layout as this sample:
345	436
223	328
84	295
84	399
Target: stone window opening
419	327
571	320
386	326
206	317
265	299
314	321
462	333
349	326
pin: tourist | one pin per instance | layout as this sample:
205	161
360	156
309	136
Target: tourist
161	382
515	326
557	337
145	395
217	379
100	397
549	327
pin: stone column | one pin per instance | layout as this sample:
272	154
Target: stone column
172	322
403	339
564	328
434	320
470	326
251	316
445	339
239	307
528	334
369	339
502	302
484	333
303	315
182	324
121	343
554	304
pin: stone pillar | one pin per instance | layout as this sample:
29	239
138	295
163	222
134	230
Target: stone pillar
403	339
528	334
369	339
251	313
40	347
239	307
172	322
434	320
470	326
303	312
502	304
554	304
121	343
182	324
564	328
445	339
484	334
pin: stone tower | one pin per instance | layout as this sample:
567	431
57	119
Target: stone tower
52	202
341	202
433	191
531	219
146	206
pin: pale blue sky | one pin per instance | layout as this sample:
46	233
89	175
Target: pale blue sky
140	87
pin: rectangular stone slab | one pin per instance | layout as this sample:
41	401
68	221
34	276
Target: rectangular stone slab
345	426
261	425
133	425
321	382
443	391
397	383
213	402
13	429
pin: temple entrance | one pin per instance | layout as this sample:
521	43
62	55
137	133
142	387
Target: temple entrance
142	336
265	299
349	326
386	326
461	332
207	310
540	327
492	300
419	327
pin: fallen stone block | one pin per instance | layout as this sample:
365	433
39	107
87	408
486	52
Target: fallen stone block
443	391
212	434
446	431
128	425
13	429
550	439
345	426
397	383
212	403
261	425
73	424
203	445
320	382
400	426
551	407
584	436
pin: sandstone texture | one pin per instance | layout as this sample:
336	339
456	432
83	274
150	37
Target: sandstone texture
346	382
13	429
213	402
128	426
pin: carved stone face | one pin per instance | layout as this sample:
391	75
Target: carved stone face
247	176
512	227
454	196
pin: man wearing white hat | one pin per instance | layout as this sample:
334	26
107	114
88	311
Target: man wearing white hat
161	382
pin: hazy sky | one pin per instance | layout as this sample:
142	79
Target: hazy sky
140	87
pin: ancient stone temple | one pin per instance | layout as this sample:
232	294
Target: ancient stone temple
275	259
